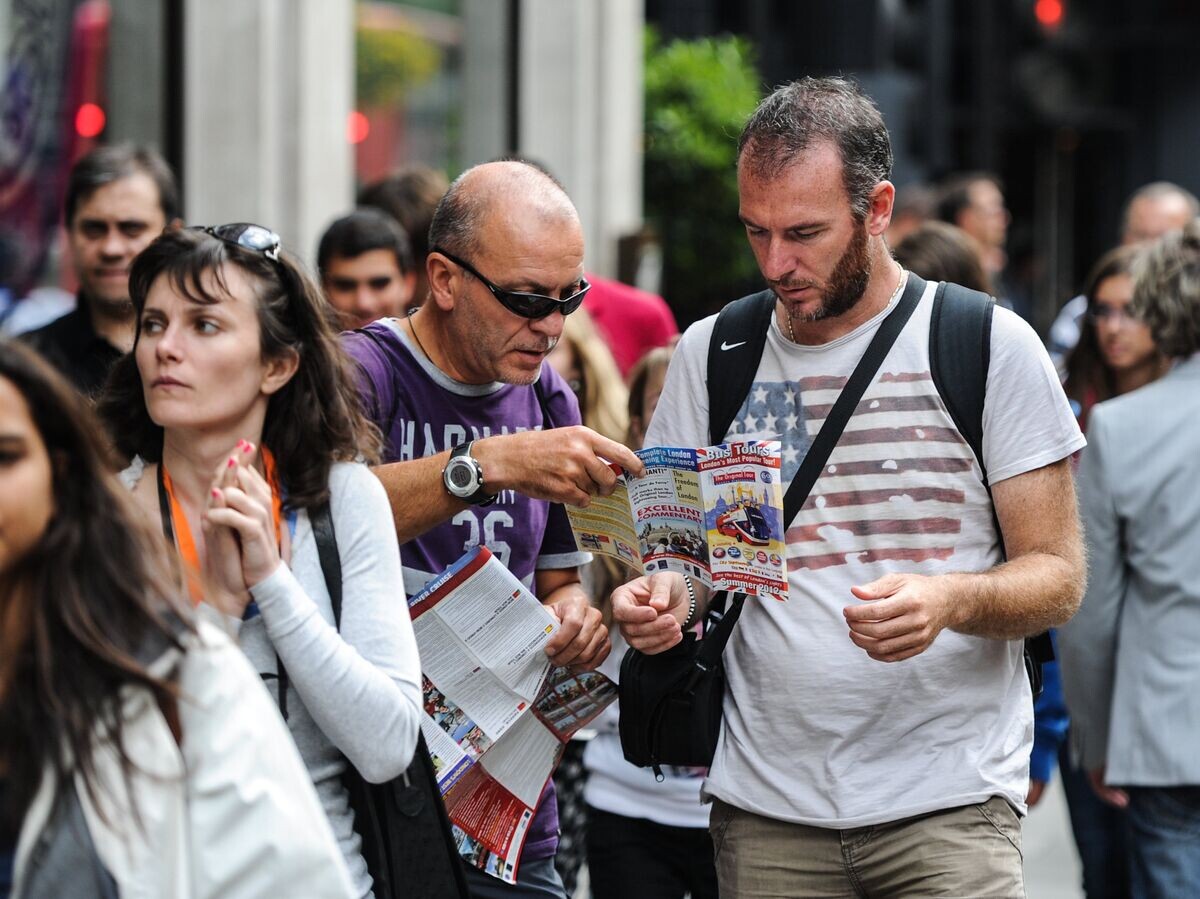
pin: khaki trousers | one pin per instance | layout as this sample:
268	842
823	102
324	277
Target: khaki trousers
972	852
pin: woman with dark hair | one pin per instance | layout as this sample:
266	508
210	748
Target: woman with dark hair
139	754
1115	353
239	409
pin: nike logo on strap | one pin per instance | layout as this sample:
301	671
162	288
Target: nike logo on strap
725	345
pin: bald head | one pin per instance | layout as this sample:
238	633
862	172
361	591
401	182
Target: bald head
498	195
504	231
1155	209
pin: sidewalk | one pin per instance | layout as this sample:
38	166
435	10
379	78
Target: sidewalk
1051	864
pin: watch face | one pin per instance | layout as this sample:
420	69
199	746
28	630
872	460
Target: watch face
461	477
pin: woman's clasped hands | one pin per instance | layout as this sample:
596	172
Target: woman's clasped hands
240	530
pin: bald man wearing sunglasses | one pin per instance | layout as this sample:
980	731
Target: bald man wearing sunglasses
484	442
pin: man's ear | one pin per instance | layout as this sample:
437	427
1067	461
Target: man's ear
280	370
442	274
879	212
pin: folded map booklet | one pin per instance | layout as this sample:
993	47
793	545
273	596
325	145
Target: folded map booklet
497	713
714	513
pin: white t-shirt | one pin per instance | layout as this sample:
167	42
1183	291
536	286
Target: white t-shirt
815	731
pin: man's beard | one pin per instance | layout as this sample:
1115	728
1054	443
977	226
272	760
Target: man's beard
847	283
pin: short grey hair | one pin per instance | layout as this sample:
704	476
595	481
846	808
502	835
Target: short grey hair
457	220
455	224
1166	292
803	112
1159	190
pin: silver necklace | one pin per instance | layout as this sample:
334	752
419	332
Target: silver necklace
892	299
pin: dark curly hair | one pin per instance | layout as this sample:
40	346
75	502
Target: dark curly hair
85	610
316	419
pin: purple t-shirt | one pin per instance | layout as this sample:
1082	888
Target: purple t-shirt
422	412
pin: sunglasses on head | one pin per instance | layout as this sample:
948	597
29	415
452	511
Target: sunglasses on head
255	238
526	305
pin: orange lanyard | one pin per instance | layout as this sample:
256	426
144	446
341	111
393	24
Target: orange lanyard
178	528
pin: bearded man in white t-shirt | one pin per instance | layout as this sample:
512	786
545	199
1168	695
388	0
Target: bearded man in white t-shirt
877	725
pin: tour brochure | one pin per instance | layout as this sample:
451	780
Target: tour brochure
497	713
714	513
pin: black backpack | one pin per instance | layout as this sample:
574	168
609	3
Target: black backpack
960	335
407	842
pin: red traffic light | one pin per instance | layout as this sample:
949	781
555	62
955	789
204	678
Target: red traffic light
89	120
358	126
1049	13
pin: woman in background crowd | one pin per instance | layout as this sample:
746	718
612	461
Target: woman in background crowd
644	838
1115	355
239	410
139	753
645	386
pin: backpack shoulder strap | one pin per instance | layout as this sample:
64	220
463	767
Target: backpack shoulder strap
960	345
734	349
331	561
960	342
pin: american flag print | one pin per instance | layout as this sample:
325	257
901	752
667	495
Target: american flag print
895	488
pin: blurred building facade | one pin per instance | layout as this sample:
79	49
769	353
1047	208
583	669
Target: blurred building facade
275	111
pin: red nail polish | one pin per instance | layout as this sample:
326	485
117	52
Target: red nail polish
216	493
232	462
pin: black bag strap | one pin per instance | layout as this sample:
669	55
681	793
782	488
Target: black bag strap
327	552
321	520
719	623
736	346
960	347
164	507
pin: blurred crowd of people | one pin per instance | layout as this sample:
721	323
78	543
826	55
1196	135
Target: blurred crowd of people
185	696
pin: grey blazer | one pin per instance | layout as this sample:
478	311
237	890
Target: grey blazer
1131	656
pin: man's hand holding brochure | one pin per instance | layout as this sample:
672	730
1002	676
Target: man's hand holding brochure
713	513
496	712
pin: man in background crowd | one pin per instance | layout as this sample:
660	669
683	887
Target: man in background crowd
974	202
119	198
366	267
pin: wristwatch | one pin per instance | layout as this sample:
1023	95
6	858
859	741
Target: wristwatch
463	477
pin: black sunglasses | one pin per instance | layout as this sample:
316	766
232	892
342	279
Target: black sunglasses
526	305
247	236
